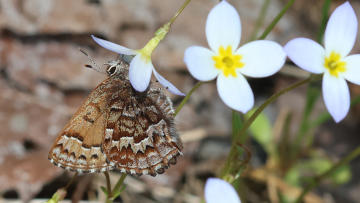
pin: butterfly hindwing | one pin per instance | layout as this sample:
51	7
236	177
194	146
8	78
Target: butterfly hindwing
140	132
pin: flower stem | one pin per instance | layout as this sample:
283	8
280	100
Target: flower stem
232	155
71	181
61	193
183	102
108	187
260	20
160	34
179	11
324	19
247	124
316	180
273	98
120	182
277	18
304	138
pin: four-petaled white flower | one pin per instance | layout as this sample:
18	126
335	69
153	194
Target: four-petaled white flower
333	60
141	66
257	59
217	191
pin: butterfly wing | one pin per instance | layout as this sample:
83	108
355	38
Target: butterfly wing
117	127
140	135
79	146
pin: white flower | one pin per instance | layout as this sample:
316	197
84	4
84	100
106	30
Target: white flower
140	68
220	191
333	60
260	58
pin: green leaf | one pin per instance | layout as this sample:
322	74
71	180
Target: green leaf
312	95
320	165
283	198
342	175
261	130
104	190
293	176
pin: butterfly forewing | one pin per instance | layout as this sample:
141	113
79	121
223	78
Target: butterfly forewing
117	127
79	145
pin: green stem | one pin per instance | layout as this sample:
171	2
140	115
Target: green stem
183	102
232	154
61	193
236	123
277	18
316	181
71	181
260	20
108	187
313	94
324	19
252	118
273	98
179	11
120	182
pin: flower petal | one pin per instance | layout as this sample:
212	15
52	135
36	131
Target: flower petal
336	96
341	29
262	58
223	27
167	84
200	63
307	54
235	92
217	190
352	72
140	73
114	47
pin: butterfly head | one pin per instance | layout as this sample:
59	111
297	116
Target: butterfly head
117	67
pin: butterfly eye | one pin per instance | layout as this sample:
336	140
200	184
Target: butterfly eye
111	70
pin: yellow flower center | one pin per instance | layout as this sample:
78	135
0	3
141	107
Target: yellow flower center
334	64
227	62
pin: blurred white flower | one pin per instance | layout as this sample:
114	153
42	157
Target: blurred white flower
333	60
220	191
141	66
229	63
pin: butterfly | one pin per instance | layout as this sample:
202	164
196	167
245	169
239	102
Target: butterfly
117	127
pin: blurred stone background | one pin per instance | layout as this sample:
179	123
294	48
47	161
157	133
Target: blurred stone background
43	81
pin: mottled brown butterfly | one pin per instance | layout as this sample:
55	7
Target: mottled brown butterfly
119	128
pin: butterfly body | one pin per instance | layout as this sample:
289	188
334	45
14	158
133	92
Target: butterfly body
119	128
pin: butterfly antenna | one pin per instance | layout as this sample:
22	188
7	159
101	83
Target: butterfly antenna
94	65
